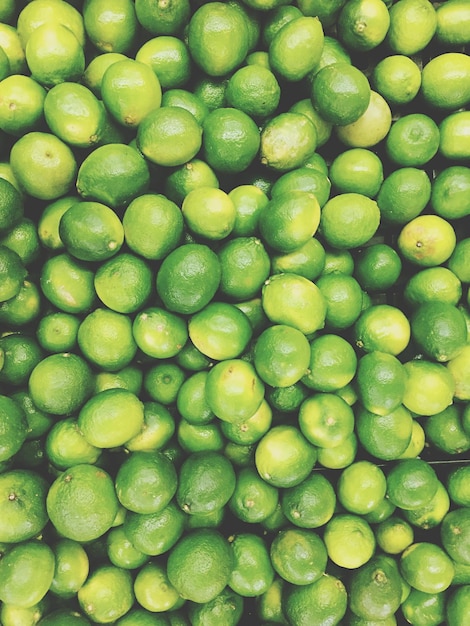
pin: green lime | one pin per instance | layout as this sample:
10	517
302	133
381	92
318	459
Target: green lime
281	355
311	503
220	331
26	573
111	417
82	503
429	388
110	30
252	572
343	295
340	93
200	564
245	266
71	567
284	457
413	139
253	499
294	301
397	78
153	591
169	136
363	24
113	174
169	59
385	436
188	278
426	567
209	212
411	483
349	540
23	505
234	390
412	26
449	197
218	38
155	533
230	141
124	283
146	482
61	383
295	49
159	333
287	140
333	363
344	228
361	487
326	420
107	594
326	599
253	89
299	556
66	446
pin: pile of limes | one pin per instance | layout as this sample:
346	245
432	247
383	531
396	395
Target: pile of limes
234	312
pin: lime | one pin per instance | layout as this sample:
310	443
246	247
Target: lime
413	139
209	212
333	363
188	278
381	382
113	174
43	164
124	283
95	69
82	503
397	78
326	420
66	446
178	132
376	590
200	564
449	192
431	514
304	178
68	284
26	573
444	79
54	54
363	24
429	387
287	140
349	540
307	261
227	606
340	93
454	532
394	535
299	556
295	49
71	567
253	499
361	487
169	59
245	266
412	26
325	600
344	228
61	383
254	90
110	30
234	390
377	267
220	331
111	417
155	533
369	128
453	129
218	38
294	301
289	220
252	573
382	327
146	482
385	436
357	170
107	594
206	483
439	329
427	240
230	140
23	504
281	355
284	457
426	567
311	503
404	194
21	105
452	23
163	19
411	483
